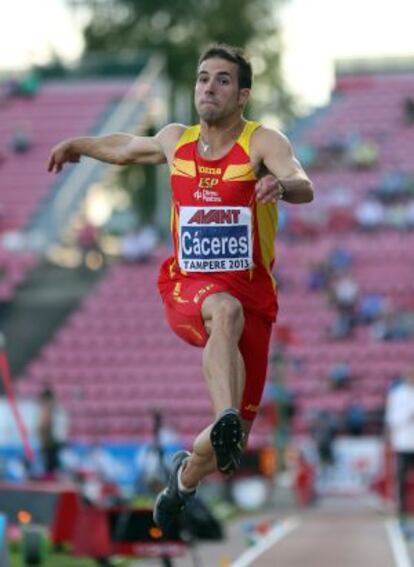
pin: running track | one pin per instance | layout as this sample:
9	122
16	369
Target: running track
344	533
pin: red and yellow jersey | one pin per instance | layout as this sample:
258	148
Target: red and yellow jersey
220	233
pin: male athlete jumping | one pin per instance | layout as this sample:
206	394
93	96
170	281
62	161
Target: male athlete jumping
227	175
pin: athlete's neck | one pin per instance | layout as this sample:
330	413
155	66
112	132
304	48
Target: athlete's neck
215	139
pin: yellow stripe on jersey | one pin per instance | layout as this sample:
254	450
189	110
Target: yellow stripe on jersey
172	218
190	134
267	227
242	172
244	138
183	167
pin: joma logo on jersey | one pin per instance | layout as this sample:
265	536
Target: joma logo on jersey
217	216
210	170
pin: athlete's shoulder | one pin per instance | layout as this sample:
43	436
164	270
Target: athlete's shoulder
264	135
171	133
168	138
266	139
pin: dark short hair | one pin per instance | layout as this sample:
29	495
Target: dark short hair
234	55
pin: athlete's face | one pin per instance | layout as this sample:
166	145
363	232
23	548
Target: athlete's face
217	92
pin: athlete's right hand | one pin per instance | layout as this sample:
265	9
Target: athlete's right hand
62	153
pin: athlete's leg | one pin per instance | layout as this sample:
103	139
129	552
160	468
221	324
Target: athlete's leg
202	444
254	346
222	363
216	323
224	372
212	452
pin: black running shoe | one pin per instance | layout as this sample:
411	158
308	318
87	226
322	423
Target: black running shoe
171	501
227	438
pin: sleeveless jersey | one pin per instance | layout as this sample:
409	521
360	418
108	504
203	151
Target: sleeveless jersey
220	233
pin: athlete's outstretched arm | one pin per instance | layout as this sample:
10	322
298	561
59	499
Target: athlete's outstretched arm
275	152
118	149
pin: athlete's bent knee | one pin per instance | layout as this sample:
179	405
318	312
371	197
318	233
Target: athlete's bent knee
229	315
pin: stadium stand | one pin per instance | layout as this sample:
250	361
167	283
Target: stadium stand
366	107
56	111
59	110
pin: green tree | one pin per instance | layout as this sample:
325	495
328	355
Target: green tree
180	29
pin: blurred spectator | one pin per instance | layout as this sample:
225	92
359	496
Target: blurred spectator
53	430
395	381
363	155
304	480
318	276
343	327
371	307
324	430
152	462
138	246
394	327
336	146
370	214
394	185
355	418
322	273
399	418
331	153
395	216
340	375
88	240
381	329
339	260
408	109
88	237
278	410
344	293
21	141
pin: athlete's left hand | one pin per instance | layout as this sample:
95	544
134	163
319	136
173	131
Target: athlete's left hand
268	190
